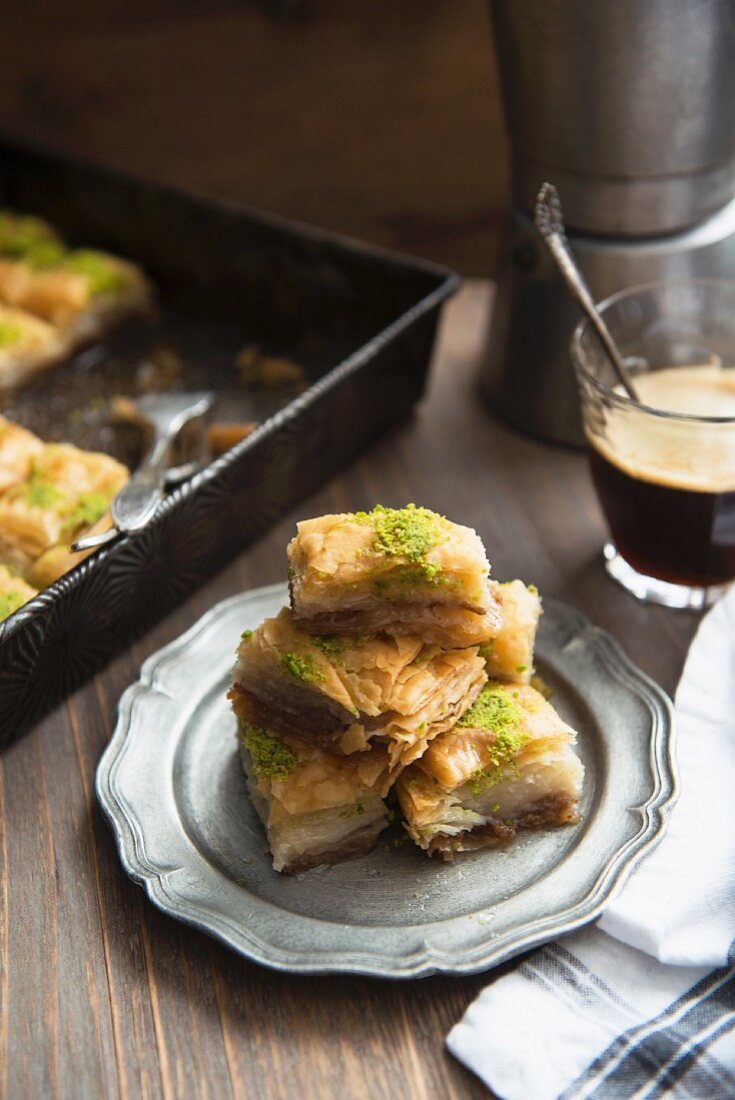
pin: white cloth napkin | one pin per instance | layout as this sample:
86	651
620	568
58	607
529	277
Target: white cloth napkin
643	1003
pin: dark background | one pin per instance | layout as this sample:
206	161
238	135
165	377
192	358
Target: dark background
379	118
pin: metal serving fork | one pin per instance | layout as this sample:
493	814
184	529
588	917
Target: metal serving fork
136	503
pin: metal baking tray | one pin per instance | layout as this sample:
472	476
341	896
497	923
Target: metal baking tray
360	321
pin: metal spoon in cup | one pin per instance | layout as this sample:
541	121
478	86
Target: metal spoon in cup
549	221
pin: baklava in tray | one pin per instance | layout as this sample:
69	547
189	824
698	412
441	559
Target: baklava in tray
312	344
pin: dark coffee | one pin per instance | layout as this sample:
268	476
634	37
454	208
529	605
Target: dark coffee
680	535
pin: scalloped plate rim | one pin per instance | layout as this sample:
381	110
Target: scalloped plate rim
419	960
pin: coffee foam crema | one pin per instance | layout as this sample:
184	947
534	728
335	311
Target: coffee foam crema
678	453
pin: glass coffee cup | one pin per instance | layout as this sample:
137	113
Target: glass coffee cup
664	466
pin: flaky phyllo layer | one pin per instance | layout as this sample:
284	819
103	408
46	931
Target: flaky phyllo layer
349	692
402	571
509	763
316	807
509	655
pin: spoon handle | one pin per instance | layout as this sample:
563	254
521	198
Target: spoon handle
550	224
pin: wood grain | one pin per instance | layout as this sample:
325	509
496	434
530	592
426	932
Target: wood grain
103	996
380	119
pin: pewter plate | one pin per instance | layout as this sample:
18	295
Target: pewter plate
171	785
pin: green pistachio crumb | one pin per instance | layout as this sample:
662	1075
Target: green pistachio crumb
408	533
246	635
495	807
10	602
331	646
103	276
37	493
10	333
272	759
301	667
521	668
19	233
89	508
44	256
496	711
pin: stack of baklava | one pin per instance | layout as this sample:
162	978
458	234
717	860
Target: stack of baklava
50	493
53	298
399	667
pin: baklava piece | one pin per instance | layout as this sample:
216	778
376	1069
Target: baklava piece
27	345
14	592
401	571
508	764
509	655
317	808
80	293
348	691
67	490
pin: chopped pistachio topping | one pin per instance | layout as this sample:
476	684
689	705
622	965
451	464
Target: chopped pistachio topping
272	758
44	256
301	667
246	635
10	333
332	646
37	492
90	508
10	602
21	232
495	710
408	533
103	276
521	668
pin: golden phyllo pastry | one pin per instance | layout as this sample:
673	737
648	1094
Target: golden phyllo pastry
18	449
400	571
14	592
348	691
66	491
78	292
509	655
27	345
508	764
316	807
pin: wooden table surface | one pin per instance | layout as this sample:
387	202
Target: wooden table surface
100	994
